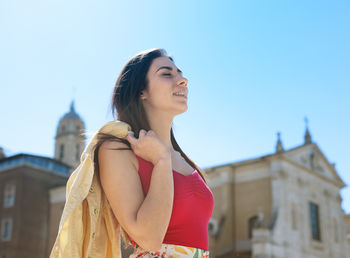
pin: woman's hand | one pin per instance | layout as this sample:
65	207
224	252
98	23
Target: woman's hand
148	146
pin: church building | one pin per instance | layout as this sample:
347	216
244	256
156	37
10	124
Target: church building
285	204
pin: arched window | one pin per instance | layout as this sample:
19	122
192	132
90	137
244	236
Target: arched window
251	223
61	152
315	221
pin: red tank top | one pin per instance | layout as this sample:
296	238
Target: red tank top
192	207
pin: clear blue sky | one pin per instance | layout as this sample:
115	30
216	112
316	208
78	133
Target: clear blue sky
254	68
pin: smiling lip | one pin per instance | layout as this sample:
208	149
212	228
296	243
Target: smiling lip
181	96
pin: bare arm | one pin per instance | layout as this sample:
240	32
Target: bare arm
155	211
145	218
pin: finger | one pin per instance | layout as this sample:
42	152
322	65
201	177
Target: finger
142	133
130	137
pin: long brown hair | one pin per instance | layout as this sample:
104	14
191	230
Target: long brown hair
126	103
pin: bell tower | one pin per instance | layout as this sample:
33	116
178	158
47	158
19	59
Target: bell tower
69	141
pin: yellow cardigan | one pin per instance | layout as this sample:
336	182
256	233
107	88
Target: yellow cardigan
88	227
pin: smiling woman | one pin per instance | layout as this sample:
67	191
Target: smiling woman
152	183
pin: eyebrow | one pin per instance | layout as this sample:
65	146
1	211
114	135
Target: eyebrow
169	68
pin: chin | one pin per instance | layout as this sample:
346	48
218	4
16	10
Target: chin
183	110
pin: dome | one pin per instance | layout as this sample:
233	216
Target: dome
72	113
70	122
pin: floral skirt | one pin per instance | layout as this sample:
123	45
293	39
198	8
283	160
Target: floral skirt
170	251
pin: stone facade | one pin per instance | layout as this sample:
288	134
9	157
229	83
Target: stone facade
285	204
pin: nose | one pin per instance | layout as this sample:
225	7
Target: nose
182	81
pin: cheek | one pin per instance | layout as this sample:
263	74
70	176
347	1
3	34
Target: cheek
161	91
161	97
156	96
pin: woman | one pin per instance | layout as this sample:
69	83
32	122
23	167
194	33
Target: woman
158	195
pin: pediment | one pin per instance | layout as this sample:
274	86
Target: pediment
311	157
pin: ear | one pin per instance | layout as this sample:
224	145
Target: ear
142	95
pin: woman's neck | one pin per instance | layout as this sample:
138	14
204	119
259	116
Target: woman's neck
161	125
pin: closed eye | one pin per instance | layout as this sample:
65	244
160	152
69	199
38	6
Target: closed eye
167	74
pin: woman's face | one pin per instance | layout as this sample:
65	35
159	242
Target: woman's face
164	80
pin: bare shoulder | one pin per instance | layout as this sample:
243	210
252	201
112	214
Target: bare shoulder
122	185
109	147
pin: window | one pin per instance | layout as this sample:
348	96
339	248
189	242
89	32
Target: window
251	224
315	221
9	195
6	229
61	152
77	152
